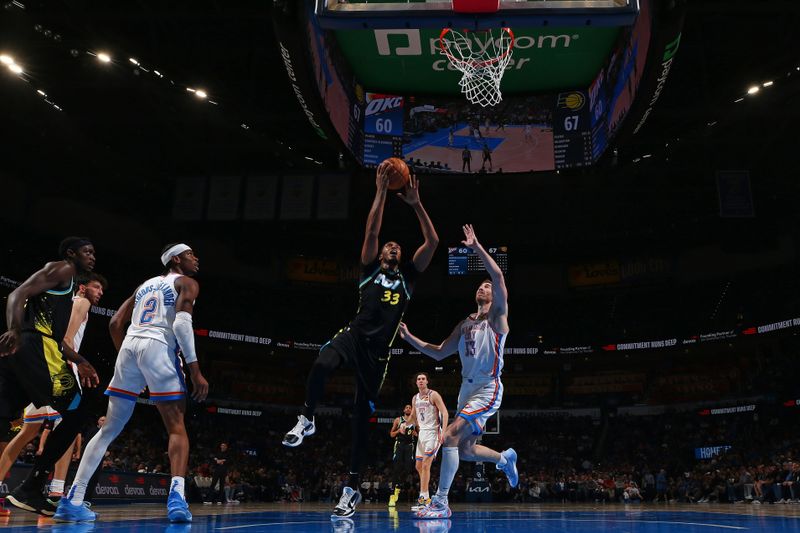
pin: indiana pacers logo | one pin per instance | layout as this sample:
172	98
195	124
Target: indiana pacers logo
63	383
574	101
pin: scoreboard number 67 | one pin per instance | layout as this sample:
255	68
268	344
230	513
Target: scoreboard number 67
571	123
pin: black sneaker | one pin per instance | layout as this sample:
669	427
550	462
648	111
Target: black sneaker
347	504
31	500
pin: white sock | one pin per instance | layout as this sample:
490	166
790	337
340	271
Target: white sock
424	494
448	470
57	486
76	492
118	414
177	485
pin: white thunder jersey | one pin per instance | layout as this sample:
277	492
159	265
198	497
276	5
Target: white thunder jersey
427	413
481	350
154	310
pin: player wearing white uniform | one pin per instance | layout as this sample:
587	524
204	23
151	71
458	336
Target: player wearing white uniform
431	417
90	290
160	312
479	340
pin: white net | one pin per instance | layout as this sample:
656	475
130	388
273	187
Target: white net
482	58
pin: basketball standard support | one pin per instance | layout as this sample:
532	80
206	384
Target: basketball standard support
476	6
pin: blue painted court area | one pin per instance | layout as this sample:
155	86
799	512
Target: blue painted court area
440	139
526	518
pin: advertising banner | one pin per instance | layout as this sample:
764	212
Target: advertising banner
112	486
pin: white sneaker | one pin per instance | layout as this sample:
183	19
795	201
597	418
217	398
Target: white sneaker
302	429
347	504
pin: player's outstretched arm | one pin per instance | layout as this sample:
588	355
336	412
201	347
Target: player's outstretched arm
119	322
498	312
188	289
369	250
51	276
424	254
436	351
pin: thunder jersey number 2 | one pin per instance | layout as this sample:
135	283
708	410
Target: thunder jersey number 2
149	310
392	297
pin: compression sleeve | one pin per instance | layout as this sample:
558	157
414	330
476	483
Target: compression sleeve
185	335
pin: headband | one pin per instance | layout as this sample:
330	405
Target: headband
172	252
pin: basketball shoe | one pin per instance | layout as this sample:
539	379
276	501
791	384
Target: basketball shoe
347	504
301	430
510	468
437	509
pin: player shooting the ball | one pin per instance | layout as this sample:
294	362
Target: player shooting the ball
384	292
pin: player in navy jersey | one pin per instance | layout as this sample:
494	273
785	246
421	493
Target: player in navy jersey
479	340
386	285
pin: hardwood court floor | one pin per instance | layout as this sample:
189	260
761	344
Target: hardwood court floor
489	518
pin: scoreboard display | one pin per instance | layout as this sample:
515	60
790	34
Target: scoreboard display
383	128
462	260
572	138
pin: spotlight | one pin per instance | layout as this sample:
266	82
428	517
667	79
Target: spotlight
753	90
767	83
200	93
132	60
41	92
16	69
6	60
105	58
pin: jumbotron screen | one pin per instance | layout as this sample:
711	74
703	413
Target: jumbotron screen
445	133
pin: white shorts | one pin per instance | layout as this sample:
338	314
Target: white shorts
427	443
38	415
147	363
478	400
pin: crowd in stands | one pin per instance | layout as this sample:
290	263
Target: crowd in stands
562	458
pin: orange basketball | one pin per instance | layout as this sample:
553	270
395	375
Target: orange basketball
398	174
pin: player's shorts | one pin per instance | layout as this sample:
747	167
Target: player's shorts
147	363
38	415
369	359
37	373
427	443
478	400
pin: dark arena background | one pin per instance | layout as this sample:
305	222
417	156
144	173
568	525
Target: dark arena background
640	196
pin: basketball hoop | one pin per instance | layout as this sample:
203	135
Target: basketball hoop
482	59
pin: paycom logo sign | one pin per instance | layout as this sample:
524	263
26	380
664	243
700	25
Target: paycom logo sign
414	42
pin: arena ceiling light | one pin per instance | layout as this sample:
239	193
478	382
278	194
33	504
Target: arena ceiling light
103	57
6	60
200	93
134	61
767	83
16	69
753	90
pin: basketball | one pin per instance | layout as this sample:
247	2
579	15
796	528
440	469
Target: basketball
398	174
